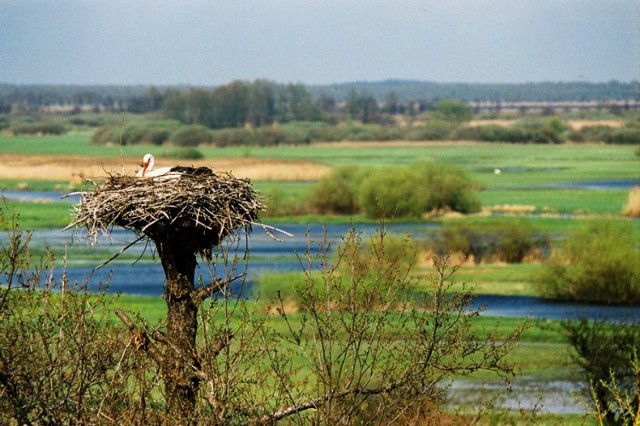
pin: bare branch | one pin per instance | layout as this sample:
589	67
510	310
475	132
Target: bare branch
119	253
315	403
140	338
222	343
203	292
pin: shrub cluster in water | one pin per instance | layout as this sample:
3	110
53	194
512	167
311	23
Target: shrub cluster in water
398	191
510	241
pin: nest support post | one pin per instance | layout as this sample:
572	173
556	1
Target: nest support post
183	216
181	383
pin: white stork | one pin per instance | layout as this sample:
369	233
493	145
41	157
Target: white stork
174	172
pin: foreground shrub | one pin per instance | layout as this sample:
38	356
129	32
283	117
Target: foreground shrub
62	358
360	347
607	353
597	264
374	354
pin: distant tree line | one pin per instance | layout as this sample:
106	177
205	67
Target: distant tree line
263	100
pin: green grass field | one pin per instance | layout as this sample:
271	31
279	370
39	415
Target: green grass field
521	164
526	173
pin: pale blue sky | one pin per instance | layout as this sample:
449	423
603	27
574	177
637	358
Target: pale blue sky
202	42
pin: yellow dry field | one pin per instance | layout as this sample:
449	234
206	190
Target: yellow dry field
579	124
76	168
573	124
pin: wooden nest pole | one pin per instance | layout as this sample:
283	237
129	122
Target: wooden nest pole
182	216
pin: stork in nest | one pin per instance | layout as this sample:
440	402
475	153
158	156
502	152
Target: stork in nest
173	172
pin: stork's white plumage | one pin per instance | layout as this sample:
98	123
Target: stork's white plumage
174	172
148	171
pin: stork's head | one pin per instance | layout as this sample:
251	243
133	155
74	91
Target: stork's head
147	164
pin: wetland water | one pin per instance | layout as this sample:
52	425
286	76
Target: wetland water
146	277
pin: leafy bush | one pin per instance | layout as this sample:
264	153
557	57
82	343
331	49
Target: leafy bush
400	191
392	191
453	110
45	128
132	134
490	133
231	137
155	136
108	134
338	192
509	241
549	131
184	154
448	187
432	130
597	264
383	257
625	136
591	134
192	135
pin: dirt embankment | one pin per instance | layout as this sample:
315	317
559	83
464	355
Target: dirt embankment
76	168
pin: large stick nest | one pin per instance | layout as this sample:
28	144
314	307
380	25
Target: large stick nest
199	210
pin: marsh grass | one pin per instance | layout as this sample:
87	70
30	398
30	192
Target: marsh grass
632	208
550	201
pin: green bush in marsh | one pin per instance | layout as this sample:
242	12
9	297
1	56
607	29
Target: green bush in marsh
510	241
597	264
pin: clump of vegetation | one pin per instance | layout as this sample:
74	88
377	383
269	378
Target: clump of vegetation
337	194
392	191
184	154
432	130
42	128
628	135
368	352
597	264
598	134
136	133
399	191
453	110
632	208
62	358
192	135
505	241
367	294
